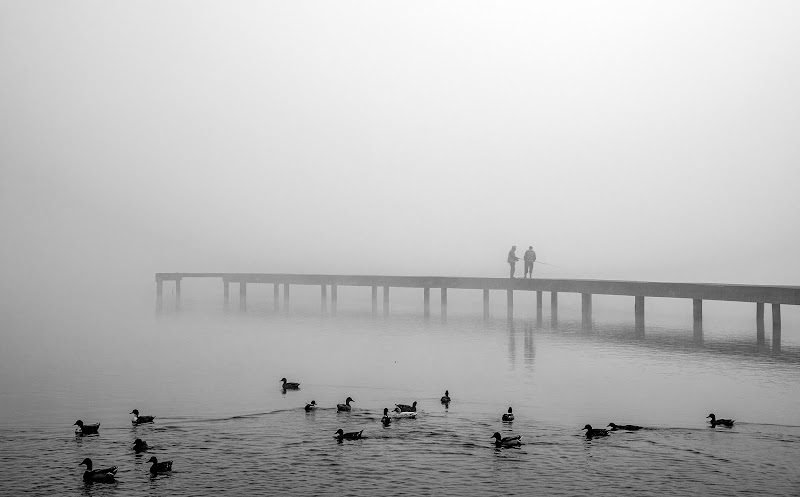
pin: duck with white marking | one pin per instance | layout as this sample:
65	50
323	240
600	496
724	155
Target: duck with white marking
312	406
615	427
406	407
100	475
140	445
386	420
509	416
353	435
728	423
346	406
595	432
446	397
84	429
138	420
512	441
159	467
289	385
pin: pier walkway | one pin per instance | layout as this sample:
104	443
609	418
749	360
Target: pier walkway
639	290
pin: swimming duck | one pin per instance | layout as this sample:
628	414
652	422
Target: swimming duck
509	416
624	427
288	385
446	397
140	445
386	420
406	408
595	432
106	474
346	405
724	422
137	420
507	441
85	429
311	406
353	435
159	467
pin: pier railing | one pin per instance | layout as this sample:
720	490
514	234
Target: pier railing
697	292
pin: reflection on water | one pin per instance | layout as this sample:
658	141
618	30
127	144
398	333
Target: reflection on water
224	419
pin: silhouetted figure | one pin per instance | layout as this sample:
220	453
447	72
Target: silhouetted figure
529	258
512	260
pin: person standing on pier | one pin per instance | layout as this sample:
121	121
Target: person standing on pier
529	258
512	259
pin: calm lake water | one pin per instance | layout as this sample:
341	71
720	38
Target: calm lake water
213	383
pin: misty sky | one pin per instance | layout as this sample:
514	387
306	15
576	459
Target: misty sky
624	140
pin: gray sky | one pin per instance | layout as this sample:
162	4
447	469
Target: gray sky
624	140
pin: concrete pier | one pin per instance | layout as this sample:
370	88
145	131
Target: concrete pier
586	311
538	307
226	292
444	303
426	297
276	297
638	311
324	299
334	299
697	292
697	318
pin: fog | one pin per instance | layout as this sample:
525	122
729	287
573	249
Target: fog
623	140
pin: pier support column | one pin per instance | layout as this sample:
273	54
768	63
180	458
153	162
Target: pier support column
386	300
638	311
538	308
697	314
242	296
276	297
776	327
286	297
760	323
426	301
510	304
444	304
178	294
374	301
324	299
586	311
159	295
334	299
226	295
554	309
485	303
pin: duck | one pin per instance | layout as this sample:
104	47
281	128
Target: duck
159	467
615	427
386	420
724	422
106	474
595	432
137	420
509	416
312	406
446	397
140	445
288	385
406	407
85	429
353	435
512	441
346	405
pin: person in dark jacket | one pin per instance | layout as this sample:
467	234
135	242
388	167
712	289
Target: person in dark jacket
512	260
529	258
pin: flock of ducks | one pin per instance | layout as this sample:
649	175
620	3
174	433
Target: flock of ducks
107	475
400	411
404	410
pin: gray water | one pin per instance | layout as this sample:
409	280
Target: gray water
221	416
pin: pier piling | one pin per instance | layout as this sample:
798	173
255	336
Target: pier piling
776	327
485	303
385	300
444	304
586	311
374	301
510	304
638	311
538	308
760	323
697	318
334	300
276	297
426	304
554	309
242	296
